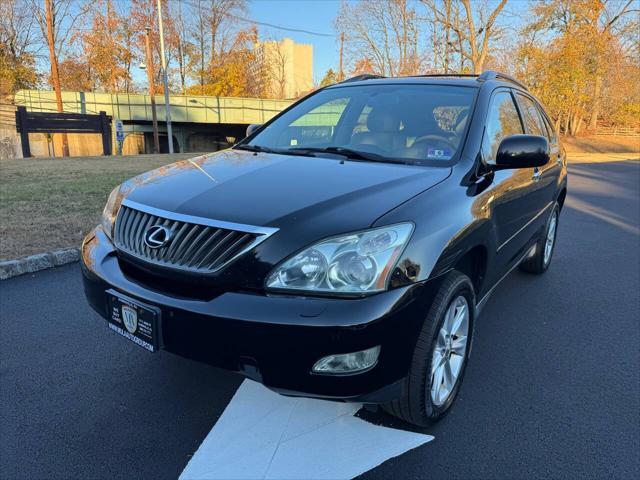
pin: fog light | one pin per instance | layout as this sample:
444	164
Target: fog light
348	362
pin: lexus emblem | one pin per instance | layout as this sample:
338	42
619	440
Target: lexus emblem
157	236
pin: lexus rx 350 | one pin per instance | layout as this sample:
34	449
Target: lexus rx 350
344	249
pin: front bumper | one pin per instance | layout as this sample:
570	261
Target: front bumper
276	339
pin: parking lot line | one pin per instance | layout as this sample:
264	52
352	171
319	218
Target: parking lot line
265	435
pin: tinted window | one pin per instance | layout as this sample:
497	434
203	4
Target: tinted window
502	121
550	129
531	116
395	121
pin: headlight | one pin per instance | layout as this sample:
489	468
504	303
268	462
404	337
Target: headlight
355	263
110	211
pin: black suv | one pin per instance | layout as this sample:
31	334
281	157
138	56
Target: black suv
344	249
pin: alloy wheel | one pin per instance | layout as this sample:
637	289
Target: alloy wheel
551	238
450	351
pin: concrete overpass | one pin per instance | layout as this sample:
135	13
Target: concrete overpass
200	123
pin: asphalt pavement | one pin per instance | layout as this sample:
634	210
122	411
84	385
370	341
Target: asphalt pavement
552	390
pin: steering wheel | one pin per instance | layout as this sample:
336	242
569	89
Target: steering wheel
435	141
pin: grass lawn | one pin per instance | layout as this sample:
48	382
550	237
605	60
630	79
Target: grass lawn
51	203
603	144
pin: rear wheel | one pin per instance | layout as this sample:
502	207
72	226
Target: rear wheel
440	356
545	246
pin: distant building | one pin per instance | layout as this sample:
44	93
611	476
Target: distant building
286	67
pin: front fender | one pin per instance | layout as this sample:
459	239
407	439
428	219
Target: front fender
450	220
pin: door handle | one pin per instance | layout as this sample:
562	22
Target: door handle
536	175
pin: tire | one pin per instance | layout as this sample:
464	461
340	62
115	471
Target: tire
417	405
539	262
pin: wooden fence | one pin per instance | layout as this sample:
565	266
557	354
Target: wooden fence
626	131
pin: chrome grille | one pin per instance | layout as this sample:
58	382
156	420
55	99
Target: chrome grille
196	244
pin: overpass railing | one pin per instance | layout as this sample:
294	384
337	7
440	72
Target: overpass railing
130	107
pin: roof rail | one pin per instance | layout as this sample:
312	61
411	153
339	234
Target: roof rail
364	76
483	77
461	75
493	75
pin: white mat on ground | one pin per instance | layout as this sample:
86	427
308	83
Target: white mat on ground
264	435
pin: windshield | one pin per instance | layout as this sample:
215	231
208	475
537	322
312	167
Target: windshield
408	123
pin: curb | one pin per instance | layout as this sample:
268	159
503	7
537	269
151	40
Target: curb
40	261
576	159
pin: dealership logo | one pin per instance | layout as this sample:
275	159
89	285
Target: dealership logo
130	317
157	236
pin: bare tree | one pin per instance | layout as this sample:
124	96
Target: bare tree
211	30
382	32
128	36
198	29
66	17
55	76
222	26
474	29
479	40
184	47
57	19
442	38
271	59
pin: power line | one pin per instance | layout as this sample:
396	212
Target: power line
266	24
245	20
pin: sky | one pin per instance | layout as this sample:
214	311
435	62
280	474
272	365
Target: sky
313	23
313	15
316	16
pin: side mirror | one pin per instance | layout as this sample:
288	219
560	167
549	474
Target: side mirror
522	151
252	128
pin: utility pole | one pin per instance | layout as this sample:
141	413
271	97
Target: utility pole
55	74
340	71
164	79
152	91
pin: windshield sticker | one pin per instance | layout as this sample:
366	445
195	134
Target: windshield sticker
439	153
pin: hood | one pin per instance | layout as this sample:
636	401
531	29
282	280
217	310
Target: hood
270	190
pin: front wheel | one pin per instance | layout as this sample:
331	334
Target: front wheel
541	259
440	355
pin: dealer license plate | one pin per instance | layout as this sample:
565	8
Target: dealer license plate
134	321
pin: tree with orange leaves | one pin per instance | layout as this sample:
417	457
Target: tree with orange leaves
579	69
107	54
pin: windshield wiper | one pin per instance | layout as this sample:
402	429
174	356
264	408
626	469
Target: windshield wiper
254	148
346	152
280	151
309	151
